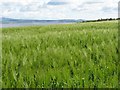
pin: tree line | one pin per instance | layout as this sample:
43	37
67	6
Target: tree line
107	19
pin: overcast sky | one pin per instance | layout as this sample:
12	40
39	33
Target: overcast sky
59	9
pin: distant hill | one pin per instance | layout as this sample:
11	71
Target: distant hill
11	20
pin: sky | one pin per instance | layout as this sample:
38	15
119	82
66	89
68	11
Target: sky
59	9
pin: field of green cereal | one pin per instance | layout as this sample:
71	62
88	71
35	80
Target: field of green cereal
55	56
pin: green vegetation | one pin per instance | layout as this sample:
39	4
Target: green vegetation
73	55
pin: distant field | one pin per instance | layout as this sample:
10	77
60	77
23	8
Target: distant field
72	55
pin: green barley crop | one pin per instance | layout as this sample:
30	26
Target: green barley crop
73	55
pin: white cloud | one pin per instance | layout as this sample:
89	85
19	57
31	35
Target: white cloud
59	9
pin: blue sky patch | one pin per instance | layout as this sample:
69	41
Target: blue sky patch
56	3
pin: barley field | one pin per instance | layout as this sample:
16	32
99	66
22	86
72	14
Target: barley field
81	55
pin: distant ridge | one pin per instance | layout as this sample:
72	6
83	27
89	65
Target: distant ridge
11	20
